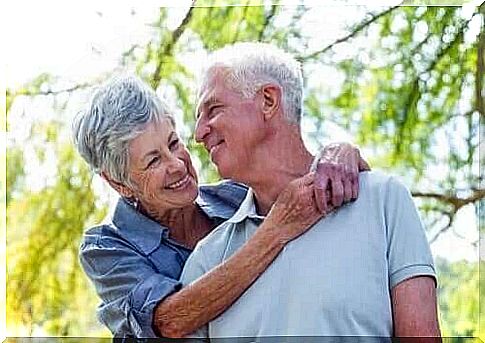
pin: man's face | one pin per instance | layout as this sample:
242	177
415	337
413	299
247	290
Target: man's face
228	125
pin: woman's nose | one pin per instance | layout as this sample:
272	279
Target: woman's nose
175	164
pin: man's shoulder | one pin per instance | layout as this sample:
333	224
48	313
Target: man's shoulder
374	178
214	245
220	236
379	190
378	181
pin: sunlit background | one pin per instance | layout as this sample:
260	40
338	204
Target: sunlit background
399	82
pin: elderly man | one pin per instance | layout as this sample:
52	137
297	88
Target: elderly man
365	270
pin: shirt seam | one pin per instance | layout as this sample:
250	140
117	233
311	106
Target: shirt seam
413	265
203	259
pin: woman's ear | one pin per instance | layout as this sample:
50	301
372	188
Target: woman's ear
271	96
122	189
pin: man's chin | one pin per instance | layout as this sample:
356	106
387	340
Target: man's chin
224	170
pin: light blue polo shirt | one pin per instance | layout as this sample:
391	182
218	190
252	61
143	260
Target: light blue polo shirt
334	280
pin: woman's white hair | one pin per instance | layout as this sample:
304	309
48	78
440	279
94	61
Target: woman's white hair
252	65
118	112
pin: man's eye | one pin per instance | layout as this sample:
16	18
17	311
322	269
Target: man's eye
214	110
173	144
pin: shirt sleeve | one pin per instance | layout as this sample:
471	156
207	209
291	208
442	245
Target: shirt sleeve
195	267
129	287
409	253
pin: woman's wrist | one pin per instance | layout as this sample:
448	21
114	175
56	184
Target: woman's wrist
274	233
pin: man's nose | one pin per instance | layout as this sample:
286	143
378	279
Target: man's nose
201	129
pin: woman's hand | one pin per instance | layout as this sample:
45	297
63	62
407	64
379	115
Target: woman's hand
296	210
337	173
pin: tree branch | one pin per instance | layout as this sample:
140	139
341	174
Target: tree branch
411	102
50	91
128	53
267	19
451	217
415	94
466	114
446	17
239	24
454	201
444	49
354	32
167	49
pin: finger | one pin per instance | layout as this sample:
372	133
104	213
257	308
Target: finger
351	177
337	191
363	165
354	161
320	191
347	183
355	189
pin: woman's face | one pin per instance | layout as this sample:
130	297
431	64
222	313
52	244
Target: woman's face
160	169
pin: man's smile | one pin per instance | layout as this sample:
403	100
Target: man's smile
213	147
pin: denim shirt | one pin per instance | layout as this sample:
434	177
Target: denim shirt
134	264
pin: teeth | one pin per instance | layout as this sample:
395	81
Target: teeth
214	146
178	183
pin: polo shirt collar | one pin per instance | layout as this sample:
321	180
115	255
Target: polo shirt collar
246	210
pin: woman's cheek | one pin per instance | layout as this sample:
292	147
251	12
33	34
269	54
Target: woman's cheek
151	181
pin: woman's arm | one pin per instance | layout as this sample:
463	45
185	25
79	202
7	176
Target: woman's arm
125	281
201	301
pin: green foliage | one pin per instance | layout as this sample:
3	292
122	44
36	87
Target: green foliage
9	99
228	24
45	285
416	88
458	294
15	172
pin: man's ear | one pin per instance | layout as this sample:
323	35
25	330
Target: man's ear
271	96
122	189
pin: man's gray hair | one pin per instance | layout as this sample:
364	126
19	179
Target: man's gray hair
252	65
118	112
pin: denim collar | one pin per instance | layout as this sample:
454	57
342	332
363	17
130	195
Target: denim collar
146	234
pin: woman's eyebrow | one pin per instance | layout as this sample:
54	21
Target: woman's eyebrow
150	153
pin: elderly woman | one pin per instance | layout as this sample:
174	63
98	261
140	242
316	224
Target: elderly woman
128	136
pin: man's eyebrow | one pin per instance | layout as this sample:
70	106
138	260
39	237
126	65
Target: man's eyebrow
207	102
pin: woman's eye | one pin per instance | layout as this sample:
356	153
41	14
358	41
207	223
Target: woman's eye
152	162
